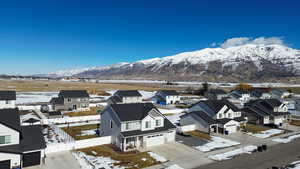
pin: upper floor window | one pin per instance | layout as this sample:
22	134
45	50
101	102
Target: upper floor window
127	126
147	124
229	115
220	116
111	124
158	122
69	99
7	102
5	139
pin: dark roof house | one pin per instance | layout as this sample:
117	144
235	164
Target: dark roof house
7	95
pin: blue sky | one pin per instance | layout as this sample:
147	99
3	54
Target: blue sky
39	36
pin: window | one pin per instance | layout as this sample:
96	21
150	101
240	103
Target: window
127	126
229	115
69	99
7	102
158	122
148	124
111	124
220	116
5	139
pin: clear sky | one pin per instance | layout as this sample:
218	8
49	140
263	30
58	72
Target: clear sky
39	36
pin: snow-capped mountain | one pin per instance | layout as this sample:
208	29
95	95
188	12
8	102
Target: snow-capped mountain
250	61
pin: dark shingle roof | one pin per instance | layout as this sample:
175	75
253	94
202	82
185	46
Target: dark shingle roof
32	139
10	118
128	93
57	100
132	111
167	126
216	91
74	93
223	121
115	99
170	92
264	107
217	105
204	116
54	113
31	120
7	95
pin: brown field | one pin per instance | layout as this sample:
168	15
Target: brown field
255	128
93	111
295	122
75	131
131	160
93	88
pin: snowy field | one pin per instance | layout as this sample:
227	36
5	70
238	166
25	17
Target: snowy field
267	133
216	143
287	139
172	111
230	154
34	97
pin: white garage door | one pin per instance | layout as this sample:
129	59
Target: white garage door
155	140
231	128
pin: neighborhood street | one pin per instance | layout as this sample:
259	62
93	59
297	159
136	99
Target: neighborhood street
278	155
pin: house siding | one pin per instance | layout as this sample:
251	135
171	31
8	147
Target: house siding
15	159
199	123
15	136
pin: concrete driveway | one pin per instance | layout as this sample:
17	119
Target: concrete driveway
180	154
61	160
190	140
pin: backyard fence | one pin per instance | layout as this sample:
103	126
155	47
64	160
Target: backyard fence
68	119
77	144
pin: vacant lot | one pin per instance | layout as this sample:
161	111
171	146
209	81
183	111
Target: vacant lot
93	111
77	131
93	88
128	160
295	122
199	134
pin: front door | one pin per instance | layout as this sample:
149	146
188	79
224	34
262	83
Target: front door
5	164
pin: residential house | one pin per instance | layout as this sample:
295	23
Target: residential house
215	94
261	93
166	97
280	93
20	146
135	126
7	99
219	116
266	112
125	96
71	100
242	96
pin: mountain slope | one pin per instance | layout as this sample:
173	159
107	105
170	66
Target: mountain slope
249	62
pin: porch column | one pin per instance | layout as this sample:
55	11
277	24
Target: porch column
124	144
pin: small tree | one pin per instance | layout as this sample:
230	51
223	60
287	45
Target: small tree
243	87
205	87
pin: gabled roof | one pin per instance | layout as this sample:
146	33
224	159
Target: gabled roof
32	139
57	100
217	105
128	93
10	118
115	99
203	116
169	92
7	95
74	93
264	107
132	111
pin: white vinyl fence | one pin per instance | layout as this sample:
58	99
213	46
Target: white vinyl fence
52	148
68	119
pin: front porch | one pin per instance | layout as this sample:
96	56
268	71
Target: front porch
133	143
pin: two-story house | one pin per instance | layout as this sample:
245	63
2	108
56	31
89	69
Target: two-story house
20	146
266	112
219	116
125	96
215	94
261	93
71	100
165	97
135	126
7	99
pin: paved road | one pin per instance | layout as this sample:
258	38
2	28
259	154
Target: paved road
278	155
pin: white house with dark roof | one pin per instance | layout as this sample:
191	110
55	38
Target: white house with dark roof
219	116
266	111
136	126
20	146
7	99
242	96
125	96
72	100
166	97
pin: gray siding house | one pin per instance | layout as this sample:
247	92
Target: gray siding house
125	96
136	126
68	100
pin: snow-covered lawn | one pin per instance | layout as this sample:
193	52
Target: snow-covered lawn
174	118
157	157
230	154
91	162
216	143
294	165
174	166
267	133
287	139
34	97
87	132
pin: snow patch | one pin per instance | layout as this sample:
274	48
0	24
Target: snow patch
216	143
157	157
287	139
267	133
233	153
